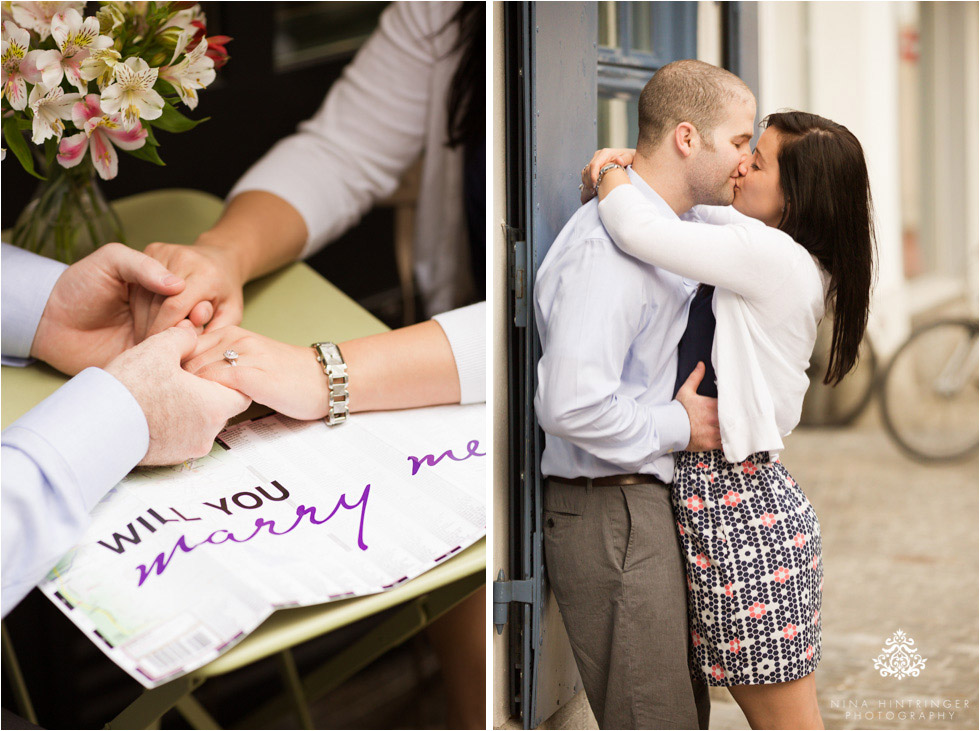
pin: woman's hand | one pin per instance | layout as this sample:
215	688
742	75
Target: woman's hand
212	296
590	173
284	377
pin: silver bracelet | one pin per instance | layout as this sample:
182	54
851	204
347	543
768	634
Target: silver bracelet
605	169
328	355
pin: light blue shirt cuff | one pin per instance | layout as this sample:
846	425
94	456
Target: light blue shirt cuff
92	429
673	425
26	281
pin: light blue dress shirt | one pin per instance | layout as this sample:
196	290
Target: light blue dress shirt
609	327
66	453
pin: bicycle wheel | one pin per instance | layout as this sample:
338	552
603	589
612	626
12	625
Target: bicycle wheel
929	392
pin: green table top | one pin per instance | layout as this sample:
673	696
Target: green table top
294	305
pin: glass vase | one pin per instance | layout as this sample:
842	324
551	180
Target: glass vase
68	218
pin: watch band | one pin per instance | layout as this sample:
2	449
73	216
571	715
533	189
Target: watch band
328	355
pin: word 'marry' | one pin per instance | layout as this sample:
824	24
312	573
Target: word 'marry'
160	563
432	460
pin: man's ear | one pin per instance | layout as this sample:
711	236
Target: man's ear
686	138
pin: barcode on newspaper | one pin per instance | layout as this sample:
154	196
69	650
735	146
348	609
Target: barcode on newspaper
174	653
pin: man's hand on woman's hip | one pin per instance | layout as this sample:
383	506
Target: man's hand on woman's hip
703	413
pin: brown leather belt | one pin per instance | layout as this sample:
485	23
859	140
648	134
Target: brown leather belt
611	481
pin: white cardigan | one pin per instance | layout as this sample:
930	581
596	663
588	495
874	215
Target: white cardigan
385	110
770	296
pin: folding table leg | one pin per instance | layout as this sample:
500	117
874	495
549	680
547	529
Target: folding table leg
396	629
294	688
153	703
21	696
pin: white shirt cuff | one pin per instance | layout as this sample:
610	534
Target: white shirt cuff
92	428
466	330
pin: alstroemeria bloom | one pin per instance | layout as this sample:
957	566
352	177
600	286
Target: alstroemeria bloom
132	94
13	51
187	15
194	72
38	16
101	66
102	134
50	106
216	44
76	38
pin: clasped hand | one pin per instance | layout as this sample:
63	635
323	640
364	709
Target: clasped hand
91	319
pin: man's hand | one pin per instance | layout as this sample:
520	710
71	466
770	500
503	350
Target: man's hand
184	413
703	413
212	297
87	320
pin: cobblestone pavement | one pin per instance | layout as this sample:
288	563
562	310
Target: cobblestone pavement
900	552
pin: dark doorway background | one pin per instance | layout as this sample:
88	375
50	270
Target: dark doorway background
270	85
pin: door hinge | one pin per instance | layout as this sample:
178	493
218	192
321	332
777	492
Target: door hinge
505	592
518	272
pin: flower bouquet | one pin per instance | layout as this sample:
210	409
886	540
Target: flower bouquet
81	87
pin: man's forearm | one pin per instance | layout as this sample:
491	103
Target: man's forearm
263	231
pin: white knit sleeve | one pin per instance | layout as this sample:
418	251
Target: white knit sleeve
466	330
370	128
750	260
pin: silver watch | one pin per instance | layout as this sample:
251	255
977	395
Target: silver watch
328	355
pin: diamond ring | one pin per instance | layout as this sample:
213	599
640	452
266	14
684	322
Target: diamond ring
231	356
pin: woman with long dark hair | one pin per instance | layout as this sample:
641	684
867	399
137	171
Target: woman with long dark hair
797	242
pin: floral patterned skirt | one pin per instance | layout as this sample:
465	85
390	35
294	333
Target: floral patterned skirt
751	544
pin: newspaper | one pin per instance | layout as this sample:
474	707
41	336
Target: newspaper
181	563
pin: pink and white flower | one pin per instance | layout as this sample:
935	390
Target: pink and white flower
13	53
101	134
734	645
757	610
50	107
76	39
194	72
781	575
132	94
789	631
799	540
717	672
695	503
768	519
702	561
37	16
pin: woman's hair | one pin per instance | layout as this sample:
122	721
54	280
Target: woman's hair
466	102
829	212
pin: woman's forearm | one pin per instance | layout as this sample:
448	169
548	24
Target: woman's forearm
262	231
405	368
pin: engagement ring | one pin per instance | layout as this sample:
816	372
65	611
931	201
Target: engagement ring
231	356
